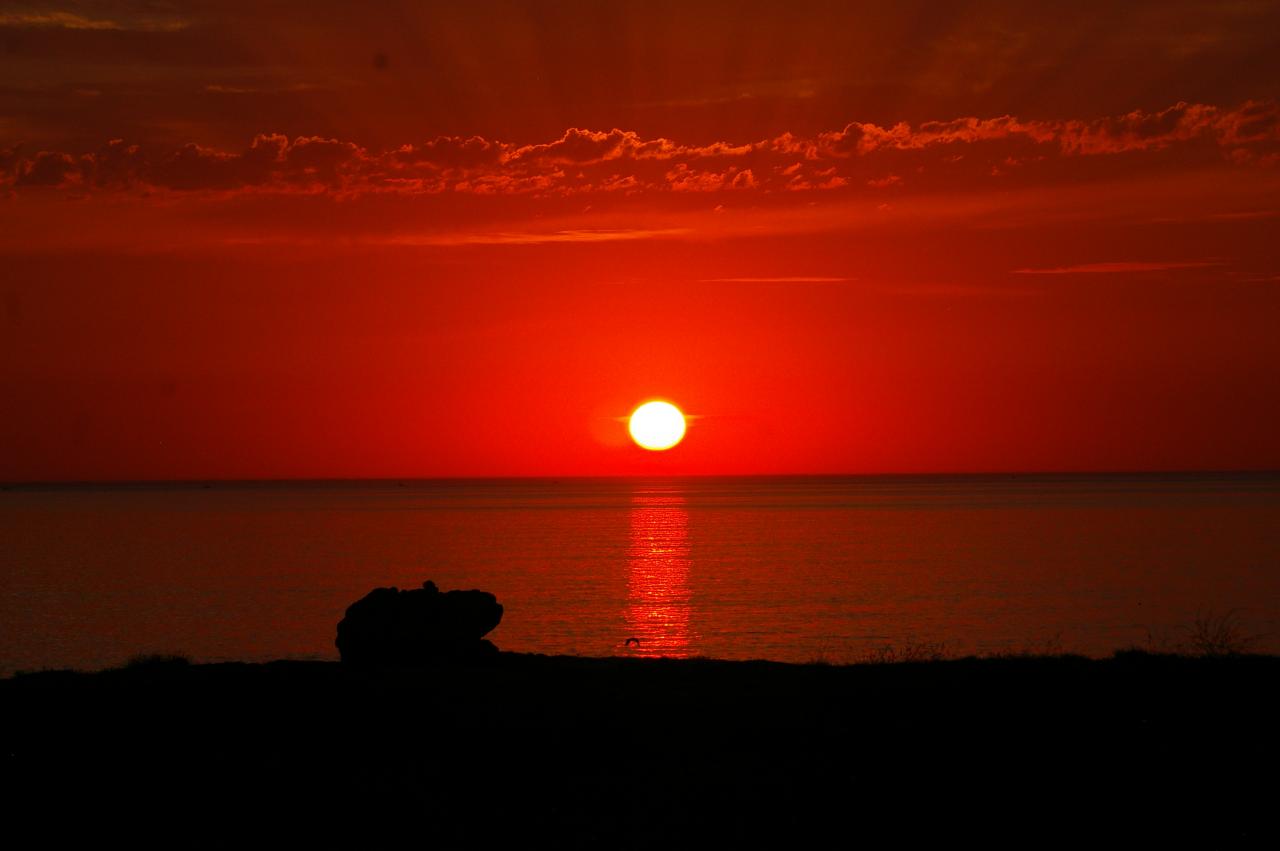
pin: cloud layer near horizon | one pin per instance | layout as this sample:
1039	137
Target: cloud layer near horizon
951	155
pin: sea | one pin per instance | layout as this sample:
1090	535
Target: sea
795	569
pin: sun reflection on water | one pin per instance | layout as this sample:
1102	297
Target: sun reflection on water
658	595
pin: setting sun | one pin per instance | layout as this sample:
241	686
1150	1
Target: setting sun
657	425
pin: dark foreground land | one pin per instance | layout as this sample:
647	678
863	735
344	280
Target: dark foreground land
530	751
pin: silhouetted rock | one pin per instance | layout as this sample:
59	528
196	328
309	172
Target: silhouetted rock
392	627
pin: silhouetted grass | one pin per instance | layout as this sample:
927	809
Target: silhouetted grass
1049	648
1209	633
911	651
156	660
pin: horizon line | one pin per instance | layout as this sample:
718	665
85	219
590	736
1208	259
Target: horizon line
336	480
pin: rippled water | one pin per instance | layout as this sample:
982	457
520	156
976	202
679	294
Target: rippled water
781	568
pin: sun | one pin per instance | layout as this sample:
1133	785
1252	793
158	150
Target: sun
657	425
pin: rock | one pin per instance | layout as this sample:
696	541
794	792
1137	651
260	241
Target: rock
392	627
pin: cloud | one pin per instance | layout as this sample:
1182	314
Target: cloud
790	279
270	163
537	237
1117	267
233	89
48	168
64	20
1253	122
9	161
56	20
937	156
449	152
578	146
959	291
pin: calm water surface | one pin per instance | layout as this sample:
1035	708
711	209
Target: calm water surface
780	568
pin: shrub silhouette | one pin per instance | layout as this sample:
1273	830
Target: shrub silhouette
392	627
1211	634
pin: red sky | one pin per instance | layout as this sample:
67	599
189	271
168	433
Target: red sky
324	240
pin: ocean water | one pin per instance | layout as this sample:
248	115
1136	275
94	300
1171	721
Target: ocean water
793	569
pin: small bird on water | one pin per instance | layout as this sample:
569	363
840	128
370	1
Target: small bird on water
630	641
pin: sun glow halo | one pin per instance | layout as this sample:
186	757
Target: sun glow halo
657	425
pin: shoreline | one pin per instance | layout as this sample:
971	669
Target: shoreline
1234	646
887	657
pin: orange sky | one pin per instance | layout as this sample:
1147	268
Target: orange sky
322	241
